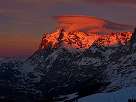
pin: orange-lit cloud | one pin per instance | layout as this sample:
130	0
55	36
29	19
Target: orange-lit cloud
89	24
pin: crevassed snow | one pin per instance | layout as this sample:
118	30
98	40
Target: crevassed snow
119	96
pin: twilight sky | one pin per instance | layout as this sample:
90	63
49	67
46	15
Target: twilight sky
22	22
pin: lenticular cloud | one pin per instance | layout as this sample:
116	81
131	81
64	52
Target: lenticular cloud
89	24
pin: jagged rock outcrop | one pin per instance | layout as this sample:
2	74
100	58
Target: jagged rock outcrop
81	40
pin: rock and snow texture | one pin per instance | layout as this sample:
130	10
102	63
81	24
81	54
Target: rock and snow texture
81	40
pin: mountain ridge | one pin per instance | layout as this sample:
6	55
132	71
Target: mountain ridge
81	40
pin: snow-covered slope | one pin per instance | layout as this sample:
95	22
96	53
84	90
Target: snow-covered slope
122	95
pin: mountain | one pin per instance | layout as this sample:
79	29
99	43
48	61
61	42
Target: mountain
71	64
77	62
